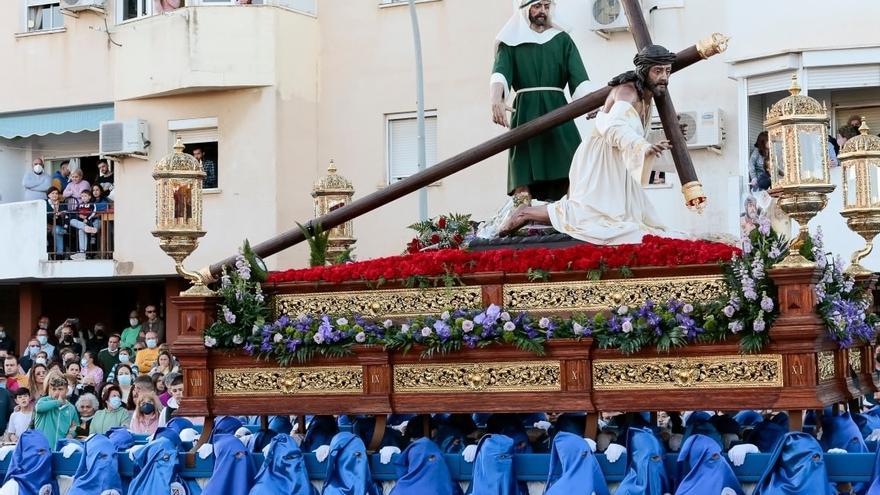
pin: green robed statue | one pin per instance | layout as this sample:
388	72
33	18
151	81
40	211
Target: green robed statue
537	60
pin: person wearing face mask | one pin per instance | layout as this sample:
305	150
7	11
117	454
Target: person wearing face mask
98	339
67	339
92	374
43	339
114	413
86	407
124	360
36	182
125	379
29	355
130	335
145	419
7	343
108	357
146	358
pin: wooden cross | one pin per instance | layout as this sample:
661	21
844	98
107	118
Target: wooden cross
690	184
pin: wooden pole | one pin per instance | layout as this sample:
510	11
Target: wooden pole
461	161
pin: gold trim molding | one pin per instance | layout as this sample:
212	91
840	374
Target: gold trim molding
390	303
602	294
748	371
527	376
855	359
825	365
322	380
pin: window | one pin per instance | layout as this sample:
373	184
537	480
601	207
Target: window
200	138
43	15
402	144
132	9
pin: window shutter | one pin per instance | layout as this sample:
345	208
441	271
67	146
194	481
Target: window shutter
871	114
190	136
769	83
847	76
404	146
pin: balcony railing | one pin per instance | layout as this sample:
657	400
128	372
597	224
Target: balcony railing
69	237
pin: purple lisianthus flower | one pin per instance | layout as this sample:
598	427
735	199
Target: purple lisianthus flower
509	326
728	311
766	303
361	337
493	312
318	338
687	309
626	326
249	348
544	322
759	325
210	341
228	315
426	332
735	326
467	326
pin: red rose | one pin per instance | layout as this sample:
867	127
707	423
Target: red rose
441	222
457	239
435	239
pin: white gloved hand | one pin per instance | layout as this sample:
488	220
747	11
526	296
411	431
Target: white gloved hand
133	451
401	427
737	453
242	432
266	449
69	449
543	425
614	451
591	443
298	438
469	453
188	435
837	451
206	450
5	450
385	454
874	436
322	452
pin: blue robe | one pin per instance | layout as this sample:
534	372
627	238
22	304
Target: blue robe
283	470
422	470
574	468
766	435
157	467
120	436
233	469
320	432
452	431
493	467
645	473
703	470
874	488
31	465
841	432
348	468
225	425
796	467
98	469
748	418
280	424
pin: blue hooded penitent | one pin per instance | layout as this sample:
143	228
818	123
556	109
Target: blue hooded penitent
645	473
348	468
31	465
702	469
574	468
225	425
281	424
283	470
233	469
766	434
156	466
748	418
841	432
98	470
493	467
422	470
797	467
320	432
120	436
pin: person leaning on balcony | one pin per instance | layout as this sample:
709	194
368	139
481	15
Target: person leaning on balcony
56	219
75	187
134	332
61	177
99	198
162	6
86	222
35	182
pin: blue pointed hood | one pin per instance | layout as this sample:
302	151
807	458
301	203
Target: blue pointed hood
841	432
179	423
98	470
493	467
280	424
31	465
321	431
233	469
422	470
225	425
283	470
796	467
702	469
574	468
348	467
157	466
748	418
645	473
120	436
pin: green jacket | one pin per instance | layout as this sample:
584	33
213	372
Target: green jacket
129	337
54	418
106	419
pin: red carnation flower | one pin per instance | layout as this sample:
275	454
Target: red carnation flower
435	239
441	222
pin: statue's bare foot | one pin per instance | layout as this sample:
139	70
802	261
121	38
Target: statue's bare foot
516	220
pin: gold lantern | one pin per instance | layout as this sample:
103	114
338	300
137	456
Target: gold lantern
797	128
330	193
860	159
179	179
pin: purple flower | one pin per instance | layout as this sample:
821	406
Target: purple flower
735	326
361	337
318	338
442	329
764	225
728	311
746	245
242	267
544	322
210	341
626	326
687	309
426	332
467	326
228	315
766	303
759	325
249	349
509	326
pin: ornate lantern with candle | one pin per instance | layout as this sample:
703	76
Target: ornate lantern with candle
860	159
797	128
179	179
332	192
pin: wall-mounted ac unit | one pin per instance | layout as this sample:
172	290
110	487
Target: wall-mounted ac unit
705	128
78	5
607	16
124	137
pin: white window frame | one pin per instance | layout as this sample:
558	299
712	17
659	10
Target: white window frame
28	4
189	130
389	119
397	3
143	5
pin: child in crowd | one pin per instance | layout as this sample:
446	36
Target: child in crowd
86	222
54	416
21	418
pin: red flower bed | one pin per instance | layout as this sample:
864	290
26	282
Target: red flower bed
653	251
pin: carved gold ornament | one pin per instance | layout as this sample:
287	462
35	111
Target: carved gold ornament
759	370
855	359
713	45
392	303
602	294
825	365
289	381
525	376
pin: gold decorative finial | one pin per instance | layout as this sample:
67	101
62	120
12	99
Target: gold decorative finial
332	168
713	45
795	88
178	145
863	129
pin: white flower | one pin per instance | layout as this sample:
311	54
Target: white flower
687	309
505	316
318	338
404	328
237	340
426	332
277	338
255	329
342	322
210	341
509	326
387	323
626	326
577	328
360	337
444	316
467	326
623	310
544	322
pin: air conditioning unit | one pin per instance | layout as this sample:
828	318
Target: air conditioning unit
124	137
78	5
705	128
607	16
